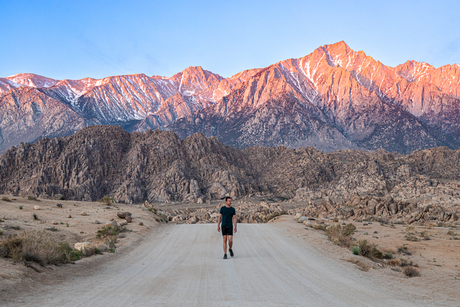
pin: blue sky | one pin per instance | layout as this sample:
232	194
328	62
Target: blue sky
77	39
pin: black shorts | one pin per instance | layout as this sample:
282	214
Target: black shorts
227	231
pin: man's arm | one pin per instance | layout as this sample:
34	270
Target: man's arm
218	222
234	222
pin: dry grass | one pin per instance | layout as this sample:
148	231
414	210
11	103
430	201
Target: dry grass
38	247
369	250
411	271
361	265
341	235
411	237
394	262
5	198
320	227
106	200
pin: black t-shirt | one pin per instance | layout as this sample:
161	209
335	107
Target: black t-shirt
227	216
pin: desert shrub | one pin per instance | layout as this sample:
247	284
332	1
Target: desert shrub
349	229
32	198
411	237
20	207
394	262
35	246
405	263
403	250
107	231
340	235
369	250
73	254
388	255
106	200
320	227
1	231
4	198
111	246
355	250
410	271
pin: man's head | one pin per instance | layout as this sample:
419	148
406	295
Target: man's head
228	201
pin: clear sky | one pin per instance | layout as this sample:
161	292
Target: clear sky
77	39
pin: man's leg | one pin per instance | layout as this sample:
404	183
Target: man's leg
230	245
225	244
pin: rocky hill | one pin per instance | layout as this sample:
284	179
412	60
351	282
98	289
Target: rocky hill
334	98
158	166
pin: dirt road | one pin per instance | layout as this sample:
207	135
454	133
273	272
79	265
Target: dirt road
182	265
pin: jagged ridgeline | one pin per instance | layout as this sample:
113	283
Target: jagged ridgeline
333	98
158	166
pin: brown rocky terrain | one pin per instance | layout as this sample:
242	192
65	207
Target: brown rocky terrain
157	166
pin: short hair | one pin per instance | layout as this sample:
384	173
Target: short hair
228	197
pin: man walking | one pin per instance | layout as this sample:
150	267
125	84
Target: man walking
228	218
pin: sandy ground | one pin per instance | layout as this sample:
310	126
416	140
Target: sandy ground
276	264
16	278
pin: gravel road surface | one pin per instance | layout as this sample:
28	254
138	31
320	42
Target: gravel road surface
182	265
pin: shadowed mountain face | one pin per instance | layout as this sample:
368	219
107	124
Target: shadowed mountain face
334	98
159	166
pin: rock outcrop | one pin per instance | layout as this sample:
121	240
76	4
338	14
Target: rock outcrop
157	166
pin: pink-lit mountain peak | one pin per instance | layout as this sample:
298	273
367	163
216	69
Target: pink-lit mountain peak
33	80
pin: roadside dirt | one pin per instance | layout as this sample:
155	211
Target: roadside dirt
438	259
277	264
15	278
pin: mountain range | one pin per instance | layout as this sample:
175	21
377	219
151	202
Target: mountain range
334	98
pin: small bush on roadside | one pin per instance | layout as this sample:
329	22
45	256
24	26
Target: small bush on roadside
394	262
388	255
20	207
111	245
320	227
107	231
355	250
369	250
106	200
32	198
36	246
340	235
73	254
411	272
4	198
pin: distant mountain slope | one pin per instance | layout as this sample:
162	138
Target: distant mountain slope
334	98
